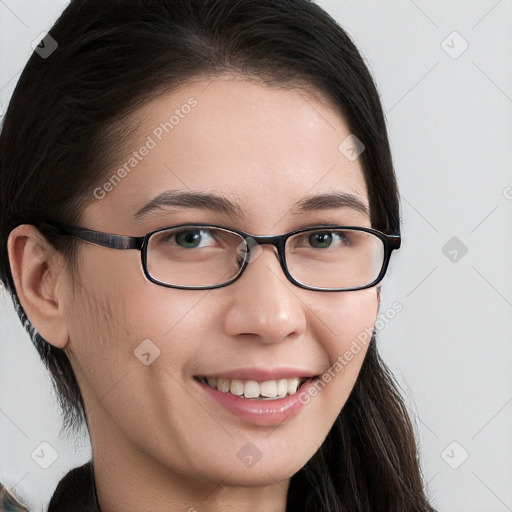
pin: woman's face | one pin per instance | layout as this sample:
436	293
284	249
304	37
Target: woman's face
138	348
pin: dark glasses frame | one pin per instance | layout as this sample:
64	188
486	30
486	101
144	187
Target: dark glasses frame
141	243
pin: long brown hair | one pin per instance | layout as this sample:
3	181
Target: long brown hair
65	126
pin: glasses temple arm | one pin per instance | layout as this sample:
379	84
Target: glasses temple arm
98	237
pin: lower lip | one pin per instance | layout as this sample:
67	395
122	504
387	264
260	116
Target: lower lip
261	412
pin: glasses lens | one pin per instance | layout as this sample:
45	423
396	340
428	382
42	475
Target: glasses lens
195	256
337	258
203	256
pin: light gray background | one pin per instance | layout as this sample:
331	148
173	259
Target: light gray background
450	124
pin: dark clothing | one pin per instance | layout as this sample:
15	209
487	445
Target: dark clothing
76	492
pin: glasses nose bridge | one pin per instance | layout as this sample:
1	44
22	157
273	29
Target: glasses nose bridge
277	241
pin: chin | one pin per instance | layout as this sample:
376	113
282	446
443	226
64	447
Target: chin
252	477
260	474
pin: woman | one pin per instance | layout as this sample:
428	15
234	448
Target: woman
198	204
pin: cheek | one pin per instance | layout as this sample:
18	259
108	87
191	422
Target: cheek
115	305
344	319
344	326
113	329
130	342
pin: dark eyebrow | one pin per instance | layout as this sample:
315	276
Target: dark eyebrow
220	204
196	199
331	200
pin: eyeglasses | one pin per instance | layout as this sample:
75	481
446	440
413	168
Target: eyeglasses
199	256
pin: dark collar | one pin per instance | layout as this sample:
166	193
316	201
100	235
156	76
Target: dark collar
76	492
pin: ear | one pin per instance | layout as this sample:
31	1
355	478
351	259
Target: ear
39	275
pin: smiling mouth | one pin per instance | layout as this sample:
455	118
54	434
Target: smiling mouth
256	390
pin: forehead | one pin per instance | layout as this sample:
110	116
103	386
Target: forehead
264	148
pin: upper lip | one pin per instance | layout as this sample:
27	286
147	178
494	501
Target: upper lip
261	374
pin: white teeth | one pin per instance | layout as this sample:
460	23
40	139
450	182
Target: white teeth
267	390
236	387
293	384
223	385
251	389
282	387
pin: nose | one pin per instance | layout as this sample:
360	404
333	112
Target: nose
264	303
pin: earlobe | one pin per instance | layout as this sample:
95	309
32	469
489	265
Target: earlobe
37	270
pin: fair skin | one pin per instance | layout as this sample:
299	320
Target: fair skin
160	443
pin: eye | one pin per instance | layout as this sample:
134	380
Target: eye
192	239
325	239
320	240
